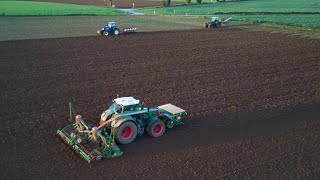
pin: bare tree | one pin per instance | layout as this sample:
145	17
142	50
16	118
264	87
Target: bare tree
166	2
109	2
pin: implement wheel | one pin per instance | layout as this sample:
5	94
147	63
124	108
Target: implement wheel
156	129
126	132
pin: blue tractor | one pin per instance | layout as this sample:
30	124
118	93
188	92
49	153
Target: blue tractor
112	29
109	29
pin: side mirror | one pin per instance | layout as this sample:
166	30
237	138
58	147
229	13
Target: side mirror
143	105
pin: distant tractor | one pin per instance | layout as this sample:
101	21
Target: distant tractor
216	22
112	29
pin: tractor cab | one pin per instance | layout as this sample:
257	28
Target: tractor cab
214	20
128	104
123	105
112	24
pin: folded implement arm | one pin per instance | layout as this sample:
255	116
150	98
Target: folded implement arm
92	143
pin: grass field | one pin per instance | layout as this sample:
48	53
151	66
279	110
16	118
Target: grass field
250	6
290	13
29	8
192	1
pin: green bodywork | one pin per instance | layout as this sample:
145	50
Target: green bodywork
172	119
213	22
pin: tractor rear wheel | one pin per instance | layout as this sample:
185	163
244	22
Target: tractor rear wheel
116	32
105	33
156	129
206	25
126	132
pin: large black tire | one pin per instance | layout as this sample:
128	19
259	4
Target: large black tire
126	132
206	25
116	32
105	33
156	129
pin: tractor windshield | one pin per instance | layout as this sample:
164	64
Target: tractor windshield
215	19
111	24
114	107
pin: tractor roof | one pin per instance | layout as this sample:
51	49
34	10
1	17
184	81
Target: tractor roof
126	101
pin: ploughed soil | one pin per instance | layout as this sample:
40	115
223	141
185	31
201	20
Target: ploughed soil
252	100
117	3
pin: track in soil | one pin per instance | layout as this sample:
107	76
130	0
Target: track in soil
239	88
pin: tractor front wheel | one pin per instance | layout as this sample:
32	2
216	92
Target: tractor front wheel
156	129
126	132
105	33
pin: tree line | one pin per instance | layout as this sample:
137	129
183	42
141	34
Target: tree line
168	2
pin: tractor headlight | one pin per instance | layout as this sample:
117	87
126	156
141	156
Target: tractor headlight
103	116
178	118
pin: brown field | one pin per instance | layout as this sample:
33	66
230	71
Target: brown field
252	100
41	27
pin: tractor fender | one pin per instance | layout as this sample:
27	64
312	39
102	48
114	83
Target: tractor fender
150	121
165	117
123	119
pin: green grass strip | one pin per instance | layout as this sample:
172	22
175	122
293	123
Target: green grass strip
249	6
30	8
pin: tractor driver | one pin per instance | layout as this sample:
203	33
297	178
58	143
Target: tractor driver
215	22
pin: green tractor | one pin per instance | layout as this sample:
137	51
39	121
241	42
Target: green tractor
121	123
216	22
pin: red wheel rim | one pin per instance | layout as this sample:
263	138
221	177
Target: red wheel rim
158	129
127	132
